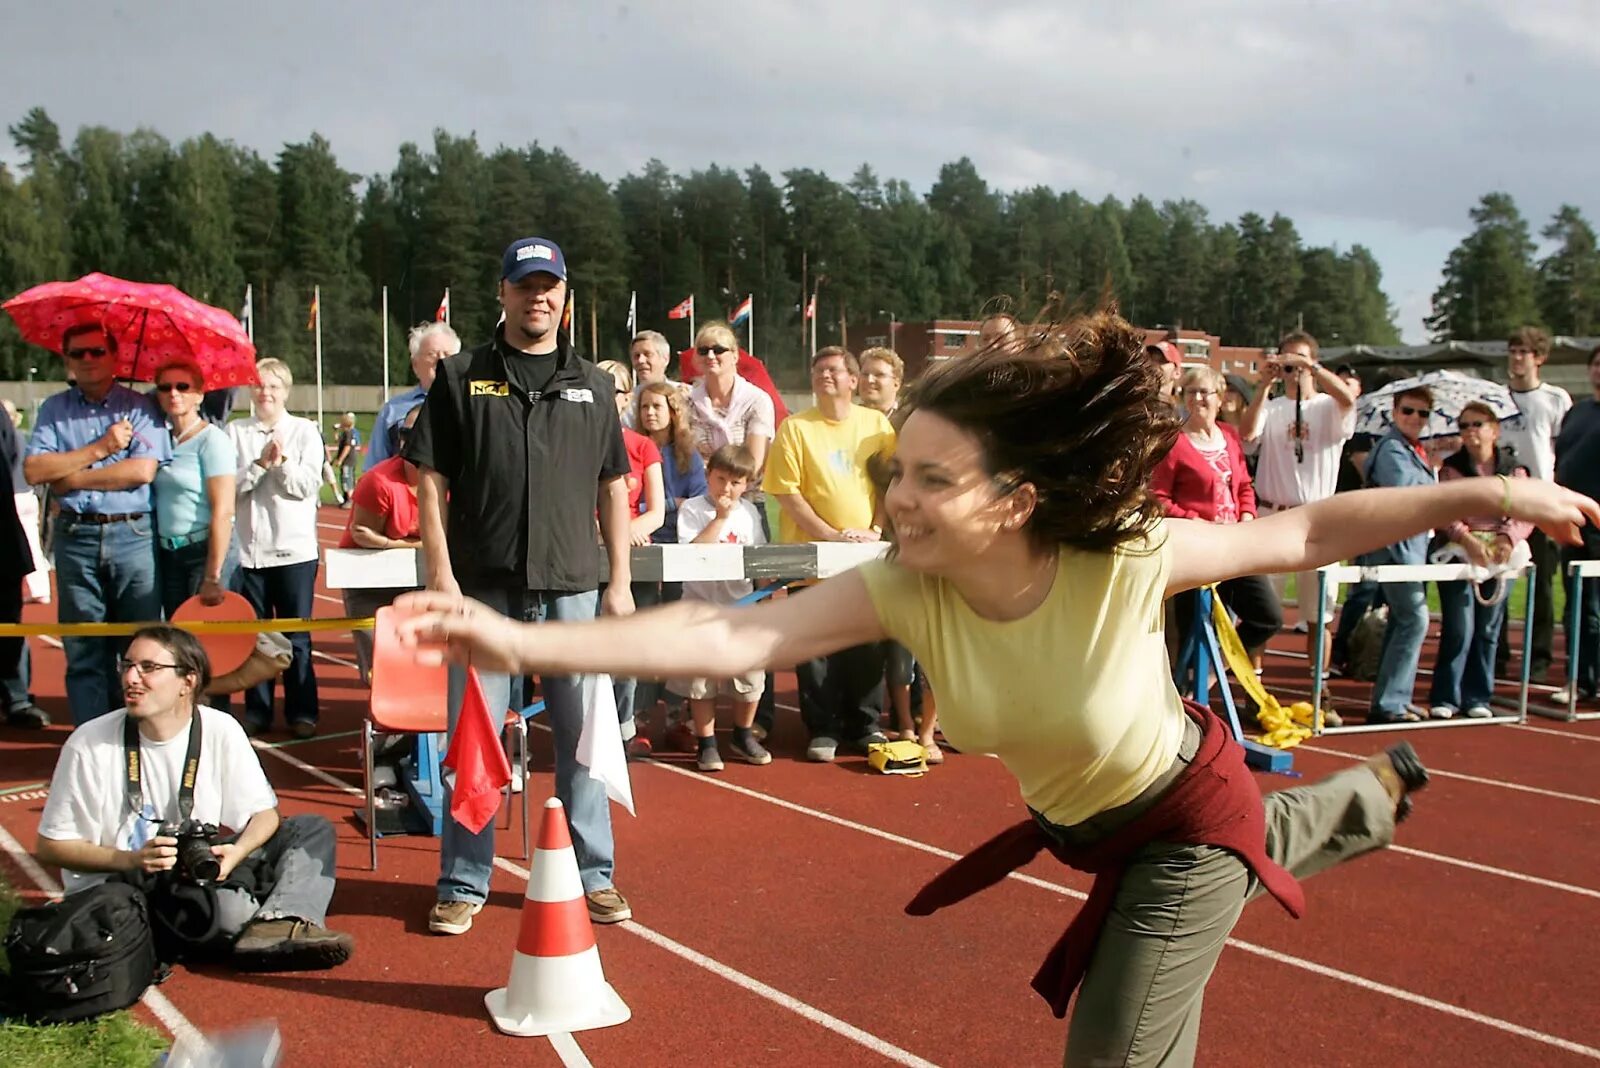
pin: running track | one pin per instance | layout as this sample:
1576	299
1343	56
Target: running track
769	927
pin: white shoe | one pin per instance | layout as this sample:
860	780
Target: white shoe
516	780
1301	627
1441	712
1563	696
1480	712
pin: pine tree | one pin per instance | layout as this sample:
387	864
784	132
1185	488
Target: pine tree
1569	278
1489	279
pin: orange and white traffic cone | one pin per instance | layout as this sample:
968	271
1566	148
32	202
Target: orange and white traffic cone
556	981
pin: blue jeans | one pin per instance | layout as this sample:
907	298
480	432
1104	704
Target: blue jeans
466	860
105	573
1584	643
1469	634
283	592
1402	648
182	570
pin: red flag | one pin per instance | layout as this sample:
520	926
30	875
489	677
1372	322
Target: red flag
683	309
478	760
443	314
811	307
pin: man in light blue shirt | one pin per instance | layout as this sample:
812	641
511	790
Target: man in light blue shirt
429	343
97	445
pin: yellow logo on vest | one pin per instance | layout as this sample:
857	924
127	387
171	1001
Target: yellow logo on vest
481	387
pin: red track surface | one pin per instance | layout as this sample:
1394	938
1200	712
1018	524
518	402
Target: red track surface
1447	950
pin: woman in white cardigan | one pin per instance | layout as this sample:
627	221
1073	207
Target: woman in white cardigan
280	460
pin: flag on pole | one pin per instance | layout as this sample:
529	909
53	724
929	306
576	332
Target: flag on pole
248	312
316	301
811	307
742	312
633	313
443	314
684	309
476	760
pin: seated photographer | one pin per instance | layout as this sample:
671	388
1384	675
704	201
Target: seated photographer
118	805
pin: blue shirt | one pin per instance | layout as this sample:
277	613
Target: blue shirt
677	486
182	504
391	415
69	421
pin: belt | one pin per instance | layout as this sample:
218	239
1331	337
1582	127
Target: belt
179	541
101	520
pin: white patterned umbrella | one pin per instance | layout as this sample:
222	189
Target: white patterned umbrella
1452	391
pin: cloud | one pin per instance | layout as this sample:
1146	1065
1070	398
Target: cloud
1369	122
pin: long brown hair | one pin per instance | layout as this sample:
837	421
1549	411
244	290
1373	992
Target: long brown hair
679	432
1077	412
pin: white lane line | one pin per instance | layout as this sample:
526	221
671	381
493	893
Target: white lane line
1559	734
331	526
567	1049
334	600
1480	780
1398	993
160	1007
1488	869
755	986
341	661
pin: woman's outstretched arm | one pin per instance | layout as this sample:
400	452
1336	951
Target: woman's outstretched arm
685	639
1348	524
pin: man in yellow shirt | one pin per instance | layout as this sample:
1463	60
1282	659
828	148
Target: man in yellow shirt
818	472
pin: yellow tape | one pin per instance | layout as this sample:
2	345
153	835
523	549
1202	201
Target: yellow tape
1282	728
221	626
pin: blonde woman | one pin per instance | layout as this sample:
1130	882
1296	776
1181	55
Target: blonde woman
279	458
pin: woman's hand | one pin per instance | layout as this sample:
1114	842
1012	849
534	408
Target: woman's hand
210	592
1556	510
444	626
1476	552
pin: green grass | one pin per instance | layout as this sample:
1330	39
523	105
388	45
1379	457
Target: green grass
1519	594
114	1041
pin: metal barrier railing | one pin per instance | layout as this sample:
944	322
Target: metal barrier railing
1579	570
1337	574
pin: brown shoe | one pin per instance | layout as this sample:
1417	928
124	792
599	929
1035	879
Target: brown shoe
453	917
608	906
289	945
303	728
1401	772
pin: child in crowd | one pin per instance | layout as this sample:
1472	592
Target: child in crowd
722	517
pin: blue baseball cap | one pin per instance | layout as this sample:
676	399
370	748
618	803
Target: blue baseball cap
530	254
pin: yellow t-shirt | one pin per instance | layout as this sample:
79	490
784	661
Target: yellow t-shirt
1076	698
826	463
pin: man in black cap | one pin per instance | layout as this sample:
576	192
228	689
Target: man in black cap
517	442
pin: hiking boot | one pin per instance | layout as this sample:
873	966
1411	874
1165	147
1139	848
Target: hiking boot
822	749
748	749
708	758
453	917
606	905
289	945
1401	772
27	717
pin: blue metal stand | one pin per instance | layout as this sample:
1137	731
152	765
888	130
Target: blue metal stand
1202	654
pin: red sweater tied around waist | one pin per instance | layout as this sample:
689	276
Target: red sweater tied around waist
1213	802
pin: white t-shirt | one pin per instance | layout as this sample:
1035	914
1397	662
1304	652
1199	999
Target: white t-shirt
1280	478
1542	408
742	527
88	792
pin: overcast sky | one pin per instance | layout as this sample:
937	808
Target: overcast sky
1371	123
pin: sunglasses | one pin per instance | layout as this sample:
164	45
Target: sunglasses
86	354
168	387
712	350
1406	409
1474	424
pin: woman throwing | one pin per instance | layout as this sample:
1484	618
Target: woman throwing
1031	565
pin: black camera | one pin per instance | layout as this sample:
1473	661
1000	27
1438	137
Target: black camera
196	862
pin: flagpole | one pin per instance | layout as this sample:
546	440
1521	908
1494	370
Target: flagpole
446	305
250	308
385	346
691	318
316	299
751	324
594	327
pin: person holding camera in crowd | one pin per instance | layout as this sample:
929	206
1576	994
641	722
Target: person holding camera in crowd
143	791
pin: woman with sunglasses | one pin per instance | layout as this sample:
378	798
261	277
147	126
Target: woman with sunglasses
1031	567
1401	459
727	408
195	551
1469	633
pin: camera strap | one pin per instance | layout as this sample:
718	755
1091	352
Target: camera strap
131	764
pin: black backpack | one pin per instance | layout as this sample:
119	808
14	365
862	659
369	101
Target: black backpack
89	953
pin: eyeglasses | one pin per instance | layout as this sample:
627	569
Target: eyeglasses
622	392
168	387
143	667
1200	393
712	350
86	354
1406	409
1474	424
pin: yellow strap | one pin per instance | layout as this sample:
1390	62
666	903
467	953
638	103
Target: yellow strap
221	626
1282	728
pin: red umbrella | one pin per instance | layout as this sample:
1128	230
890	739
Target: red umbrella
151	322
